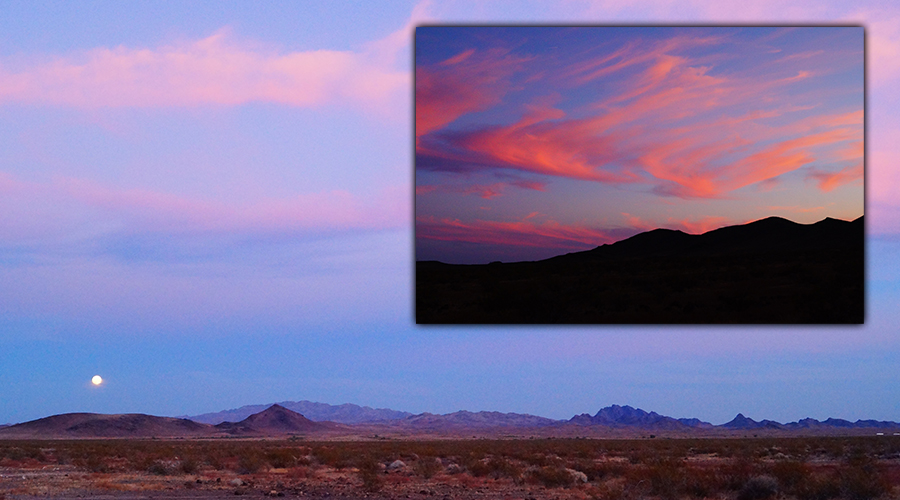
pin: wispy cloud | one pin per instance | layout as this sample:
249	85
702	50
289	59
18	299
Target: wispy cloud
527	232
485	191
469	81
217	70
82	211
647	129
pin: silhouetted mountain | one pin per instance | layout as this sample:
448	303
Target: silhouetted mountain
744	423
695	422
769	271
106	426
317	412
772	234
274	420
626	416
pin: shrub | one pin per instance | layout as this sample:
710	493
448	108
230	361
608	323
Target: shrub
759	488
189	466
158	468
818	487
863	481
551	477
427	467
370	474
790	474
281	458
250	462
666	477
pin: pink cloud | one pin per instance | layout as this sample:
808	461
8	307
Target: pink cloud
782	157
548	234
485	191
539	144
690	226
467	82
699	226
216	70
641	132
68	208
828	181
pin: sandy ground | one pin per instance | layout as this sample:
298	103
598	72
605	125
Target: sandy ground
67	482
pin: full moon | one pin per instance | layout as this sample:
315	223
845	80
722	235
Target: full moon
96	380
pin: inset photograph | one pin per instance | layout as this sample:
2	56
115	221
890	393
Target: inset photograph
639	175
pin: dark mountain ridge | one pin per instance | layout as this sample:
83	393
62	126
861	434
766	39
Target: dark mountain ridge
765	235
626	416
770	271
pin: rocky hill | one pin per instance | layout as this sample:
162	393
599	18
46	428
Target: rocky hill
317	412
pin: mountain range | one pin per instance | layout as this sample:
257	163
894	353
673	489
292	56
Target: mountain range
277	420
345	413
770	271
272	421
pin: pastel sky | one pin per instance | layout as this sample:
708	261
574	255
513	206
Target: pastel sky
211	204
537	141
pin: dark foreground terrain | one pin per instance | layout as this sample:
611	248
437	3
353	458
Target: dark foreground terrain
771	271
811	468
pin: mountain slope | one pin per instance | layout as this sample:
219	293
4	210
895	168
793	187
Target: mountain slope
771	271
473	420
275	420
626	416
82	425
317	412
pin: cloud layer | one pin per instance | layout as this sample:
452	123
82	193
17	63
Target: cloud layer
217	70
697	115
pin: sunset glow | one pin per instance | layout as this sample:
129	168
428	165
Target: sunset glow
611	131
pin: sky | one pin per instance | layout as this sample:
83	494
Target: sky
211	204
536	141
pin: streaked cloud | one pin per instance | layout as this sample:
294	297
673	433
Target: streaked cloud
72	212
662	125
469	81
485	191
527	232
217	70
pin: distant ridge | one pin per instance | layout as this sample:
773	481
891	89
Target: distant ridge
626	416
742	422
770	271
274	420
277	421
80	425
764	235
473	420
317	412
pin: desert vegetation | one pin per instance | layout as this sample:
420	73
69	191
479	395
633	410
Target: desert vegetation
813	468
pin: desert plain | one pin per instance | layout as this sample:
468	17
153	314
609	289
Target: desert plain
665	468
